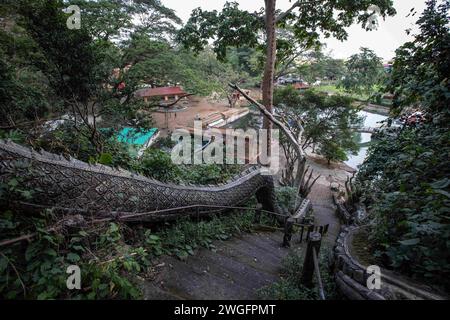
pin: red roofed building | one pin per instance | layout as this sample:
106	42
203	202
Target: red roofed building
164	93
300	86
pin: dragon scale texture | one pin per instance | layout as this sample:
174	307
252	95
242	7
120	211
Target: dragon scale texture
77	187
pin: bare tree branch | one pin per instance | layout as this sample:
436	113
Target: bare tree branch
296	4
171	104
272	119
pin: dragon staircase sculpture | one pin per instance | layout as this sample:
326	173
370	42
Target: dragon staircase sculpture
75	187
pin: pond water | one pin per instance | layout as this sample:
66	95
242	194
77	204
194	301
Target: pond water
371	120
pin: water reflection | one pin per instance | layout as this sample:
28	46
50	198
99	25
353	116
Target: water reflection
371	120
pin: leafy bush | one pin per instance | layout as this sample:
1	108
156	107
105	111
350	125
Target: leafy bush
110	256
407	187
406	177
39	272
208	174
157	164
328	122
286	197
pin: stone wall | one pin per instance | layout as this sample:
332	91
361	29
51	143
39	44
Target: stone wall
344	216
351	276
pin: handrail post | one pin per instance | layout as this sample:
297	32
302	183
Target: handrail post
197	210
288	227
258	209
325	229
314	242
310	230
301	233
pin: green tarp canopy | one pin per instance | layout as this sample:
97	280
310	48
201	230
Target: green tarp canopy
138	137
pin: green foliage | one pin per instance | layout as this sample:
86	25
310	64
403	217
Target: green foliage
406	175
39	272
322	67
14	189
186	236
233	27
289	286
364	72
407	187
79	84
209	174
157	164
332	151
421	67
68	141
110	256
154	163
246	59
22	98
39	79
328	122
113	19
16	136
24	94
164	143
69	75
158	63
203	25
286	197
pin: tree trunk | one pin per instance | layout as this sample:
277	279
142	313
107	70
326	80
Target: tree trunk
269	69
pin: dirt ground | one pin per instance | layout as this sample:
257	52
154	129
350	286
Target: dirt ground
201	106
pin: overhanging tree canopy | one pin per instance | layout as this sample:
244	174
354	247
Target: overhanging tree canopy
307	20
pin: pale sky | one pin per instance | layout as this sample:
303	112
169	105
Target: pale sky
384	41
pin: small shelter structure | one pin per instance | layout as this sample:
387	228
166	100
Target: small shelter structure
166	97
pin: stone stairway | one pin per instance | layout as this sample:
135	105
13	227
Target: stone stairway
234	271
239	267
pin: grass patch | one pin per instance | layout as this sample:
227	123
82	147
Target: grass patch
333	89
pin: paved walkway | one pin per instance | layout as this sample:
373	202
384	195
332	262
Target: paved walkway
321	196
324	210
